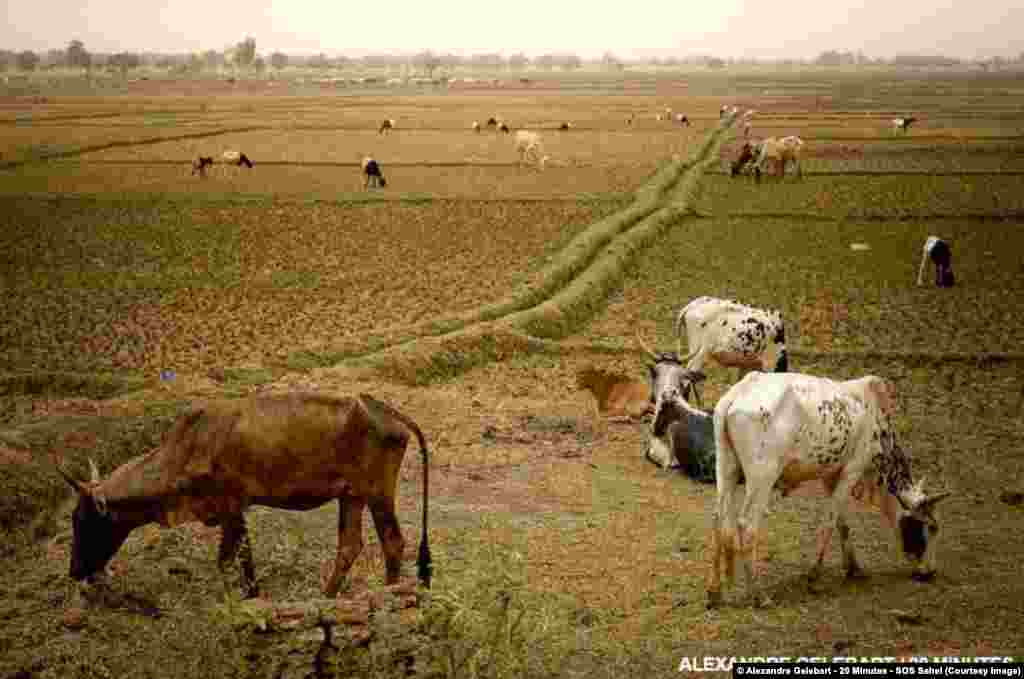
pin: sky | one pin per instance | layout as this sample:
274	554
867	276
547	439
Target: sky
779	29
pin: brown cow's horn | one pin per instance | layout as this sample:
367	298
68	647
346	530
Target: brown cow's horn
647	349
94	471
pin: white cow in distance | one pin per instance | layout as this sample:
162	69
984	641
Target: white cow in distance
782	430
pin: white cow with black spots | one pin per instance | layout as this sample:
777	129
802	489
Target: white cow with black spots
734	335
779	431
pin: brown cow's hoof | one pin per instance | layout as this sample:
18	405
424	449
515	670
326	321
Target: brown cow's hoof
923	576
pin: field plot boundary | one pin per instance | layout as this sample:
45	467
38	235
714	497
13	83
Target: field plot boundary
149	141
870	217
565	304
899	173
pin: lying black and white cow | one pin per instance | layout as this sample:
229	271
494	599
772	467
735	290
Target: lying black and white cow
373	174
938	251
682	436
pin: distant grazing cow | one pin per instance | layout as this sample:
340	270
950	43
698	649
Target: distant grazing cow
236	158
630	119
780	431
780	152
200	164
617	397
293	451
530	146
682	436
903	124
386	126
733	335
564	127
371	168
492	122
502	127
938	251
748	155
682	120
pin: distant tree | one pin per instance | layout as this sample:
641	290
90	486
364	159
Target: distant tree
545	61
27	60
124	61
571	62
245	52
715	62
212	59
7	59
428	61
318	61
76	56
258	64
829	58
278	60
518	61
611	62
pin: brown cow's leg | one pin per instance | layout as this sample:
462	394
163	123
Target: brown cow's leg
234	542
350	543
391	541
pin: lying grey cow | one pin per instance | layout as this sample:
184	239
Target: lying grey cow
683	437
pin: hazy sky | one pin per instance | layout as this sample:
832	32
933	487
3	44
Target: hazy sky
737	28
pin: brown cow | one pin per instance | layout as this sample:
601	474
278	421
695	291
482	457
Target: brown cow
618	397
290	451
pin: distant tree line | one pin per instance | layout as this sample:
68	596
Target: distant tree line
244	56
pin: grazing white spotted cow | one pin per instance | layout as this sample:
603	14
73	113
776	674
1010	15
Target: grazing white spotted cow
779	431
938	251
903	124
734	335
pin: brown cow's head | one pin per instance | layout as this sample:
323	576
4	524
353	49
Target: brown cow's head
97	534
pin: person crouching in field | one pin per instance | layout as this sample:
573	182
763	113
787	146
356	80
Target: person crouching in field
938	251
373	174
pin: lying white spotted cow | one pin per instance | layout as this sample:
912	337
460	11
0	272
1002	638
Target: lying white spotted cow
779	431
733	335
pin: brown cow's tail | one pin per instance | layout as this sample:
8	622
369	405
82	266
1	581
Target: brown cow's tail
424	567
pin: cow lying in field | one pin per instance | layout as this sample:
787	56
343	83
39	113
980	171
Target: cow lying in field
782	430
294	451
682	436
618	397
